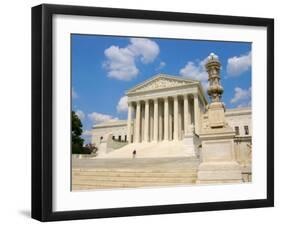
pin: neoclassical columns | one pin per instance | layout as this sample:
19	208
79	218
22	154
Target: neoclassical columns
146	121
155	120
154	116
161	121
138	118
166	119
129	122
196	113
176	118
185	114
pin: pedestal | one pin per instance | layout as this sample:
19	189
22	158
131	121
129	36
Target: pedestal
218	159
216	117
219	172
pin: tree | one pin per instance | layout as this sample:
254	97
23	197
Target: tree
90	149
76	132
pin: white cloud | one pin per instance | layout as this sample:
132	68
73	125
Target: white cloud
196	71
242	97
122	105
74	94
161	65
147	49
205	85
80	114
87	135
101	118
237	65
121	62
244	104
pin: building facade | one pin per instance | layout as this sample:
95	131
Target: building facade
117	129
169	116
163	108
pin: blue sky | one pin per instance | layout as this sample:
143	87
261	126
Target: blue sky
104	67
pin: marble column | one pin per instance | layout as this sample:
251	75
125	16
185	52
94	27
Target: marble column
185	114
166	119
142	122
176	118
170	121
196	113
146	121
180	110
155	120
160	126
138	118
129	122
151	123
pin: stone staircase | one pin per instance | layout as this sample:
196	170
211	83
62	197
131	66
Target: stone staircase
168	149
133	173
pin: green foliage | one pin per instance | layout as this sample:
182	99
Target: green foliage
76	132
90	149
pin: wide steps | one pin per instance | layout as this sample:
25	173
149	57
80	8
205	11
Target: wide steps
91	179
84	186
132	174
93	186
129	184
128	173
134	179
141	163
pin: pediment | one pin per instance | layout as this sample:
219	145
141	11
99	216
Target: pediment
161	82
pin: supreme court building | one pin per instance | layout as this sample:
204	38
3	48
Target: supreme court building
171	126
164	110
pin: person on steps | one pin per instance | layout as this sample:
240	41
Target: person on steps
134	154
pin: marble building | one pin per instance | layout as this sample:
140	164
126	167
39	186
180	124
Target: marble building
171	128
159	109
163	108
170	116
153	105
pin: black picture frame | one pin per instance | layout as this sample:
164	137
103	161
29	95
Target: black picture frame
42	111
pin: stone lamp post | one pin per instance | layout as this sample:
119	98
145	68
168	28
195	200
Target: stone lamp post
218	158
216	108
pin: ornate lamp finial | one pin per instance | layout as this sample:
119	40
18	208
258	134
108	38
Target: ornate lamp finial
215	90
